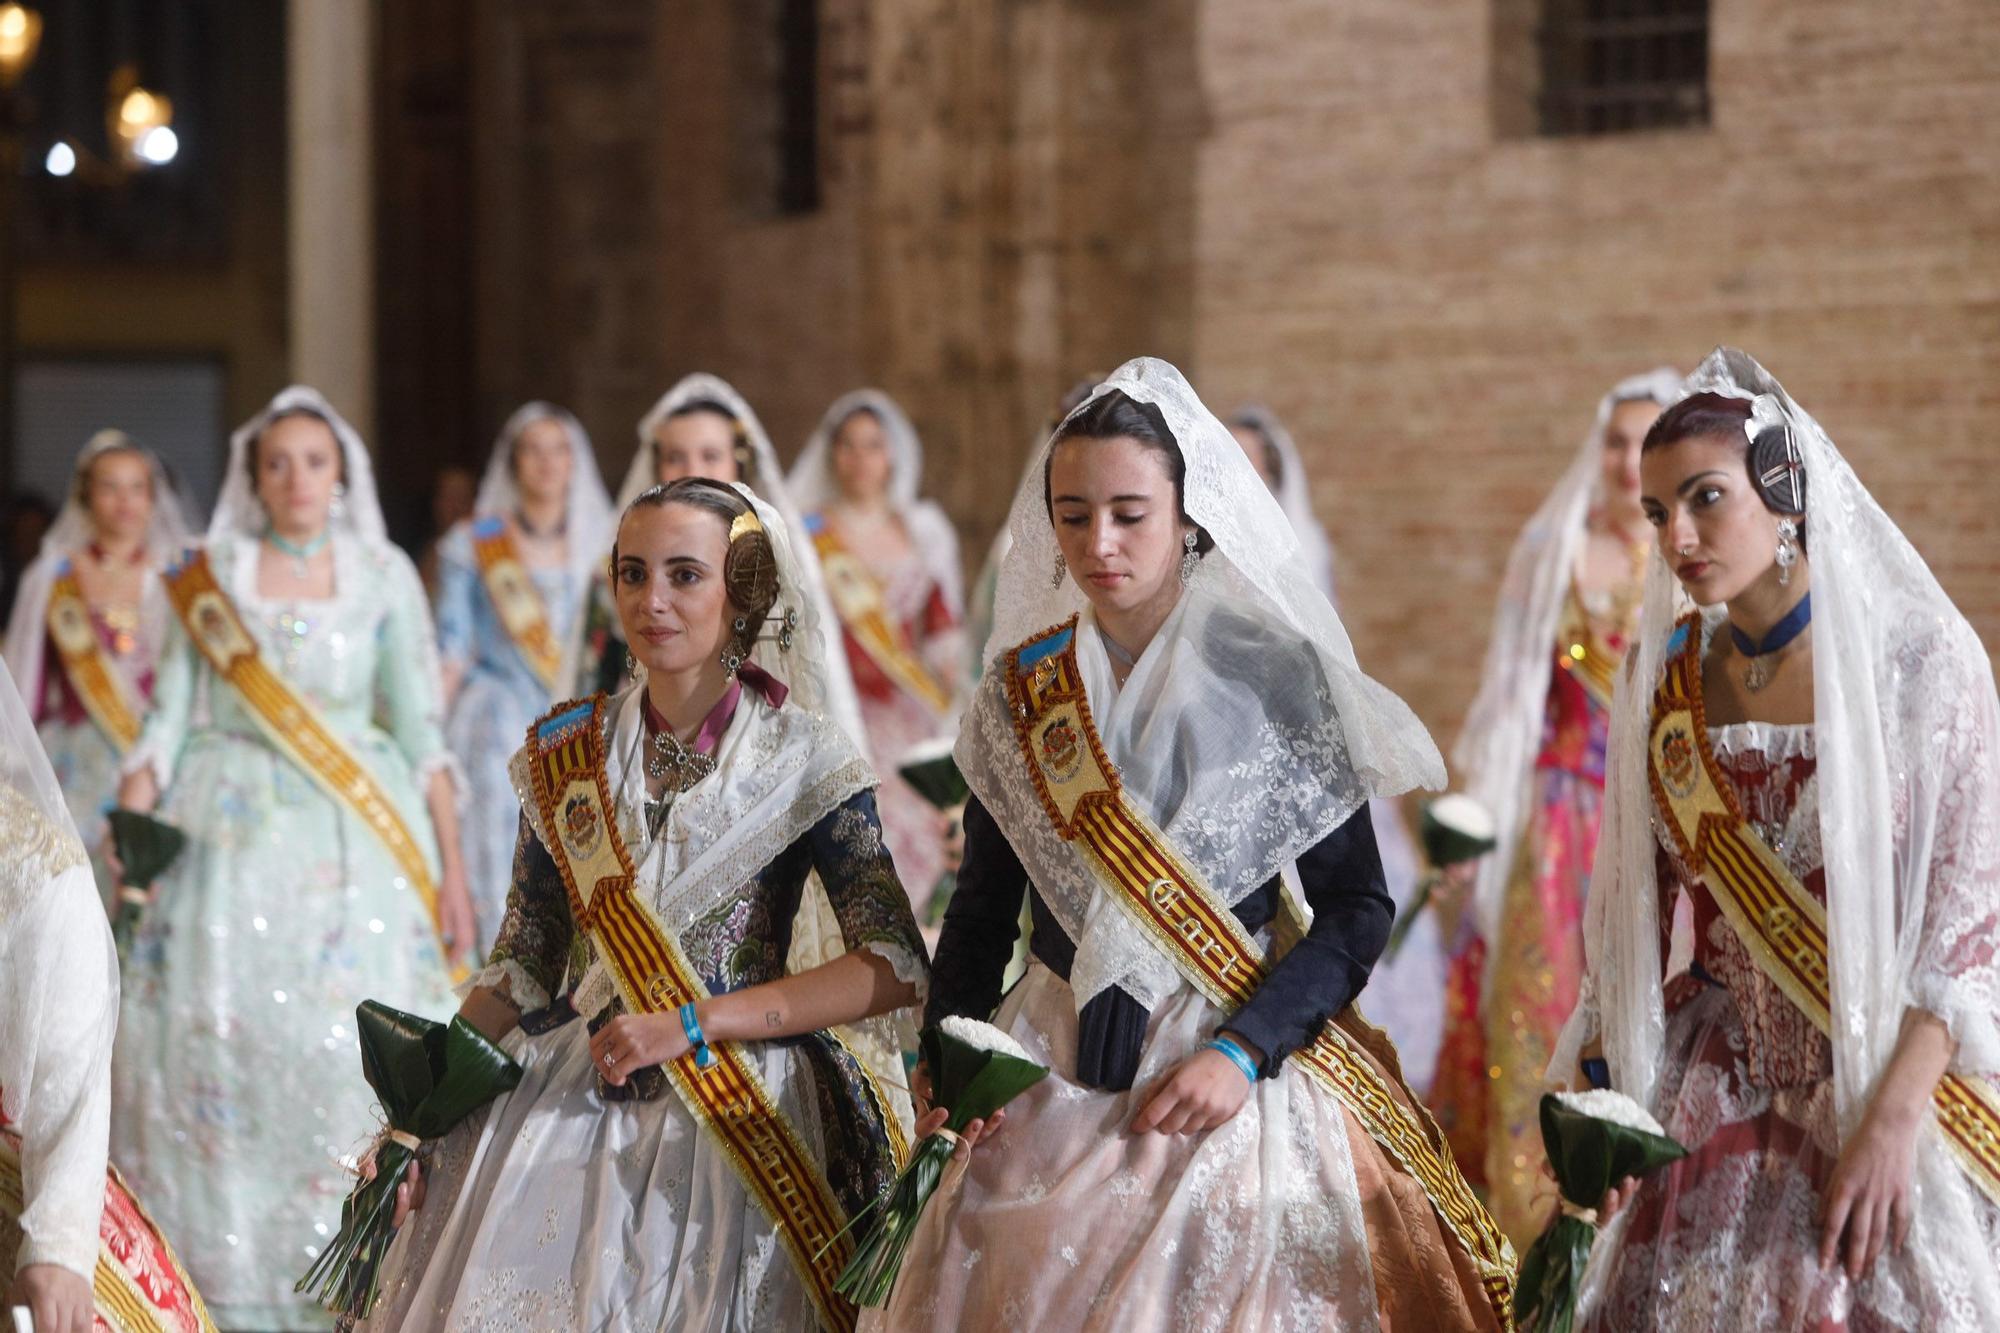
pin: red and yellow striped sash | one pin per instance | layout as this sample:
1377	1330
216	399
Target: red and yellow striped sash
516	599
1781	925
573	798
858	599
292	725
98	683
1080	789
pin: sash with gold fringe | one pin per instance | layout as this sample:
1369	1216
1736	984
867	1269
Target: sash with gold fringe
864	609
98	683
518	602
138	1284
572	793
1080	789
292	725
1782	926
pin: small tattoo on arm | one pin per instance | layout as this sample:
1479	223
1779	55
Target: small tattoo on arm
773	1019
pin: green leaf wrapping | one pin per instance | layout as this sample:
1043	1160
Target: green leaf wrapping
974	1083
146	846
1445	845
937	779
1588	1156
428	1077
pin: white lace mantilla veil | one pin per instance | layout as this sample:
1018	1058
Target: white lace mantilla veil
813	486
56	1022
1907	731
238	511
167	534
1495	754
1246	731
836	696
1294	492
588	521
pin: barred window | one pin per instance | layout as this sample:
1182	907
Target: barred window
777	52
1611	66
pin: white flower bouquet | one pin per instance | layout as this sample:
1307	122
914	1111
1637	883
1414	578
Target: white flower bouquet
1455	828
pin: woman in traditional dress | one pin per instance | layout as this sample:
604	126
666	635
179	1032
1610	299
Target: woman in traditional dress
1532	752
513	583
75	1250
603	1192
1406	991
297	738
892	570
1810	760
1178	717
86	631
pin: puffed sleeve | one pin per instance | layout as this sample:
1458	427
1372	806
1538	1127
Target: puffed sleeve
59	1009
536	934
165	729
408	683
1352	911
458	593
861	884
981	922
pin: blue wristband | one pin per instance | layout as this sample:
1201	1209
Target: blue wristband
1598	1072
1237	1055
703	1056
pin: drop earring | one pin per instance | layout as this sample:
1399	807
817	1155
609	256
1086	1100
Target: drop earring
1788	550
1189	560
1062	571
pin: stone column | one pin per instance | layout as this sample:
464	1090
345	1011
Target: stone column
329	61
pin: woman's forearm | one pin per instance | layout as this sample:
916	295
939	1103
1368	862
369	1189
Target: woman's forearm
848	988
492	1015
443	803
1923	1053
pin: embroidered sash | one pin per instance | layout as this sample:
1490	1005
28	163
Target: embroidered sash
729	1099
863	608
291	724
515	597
138	1284
98	682
1145	875
1782	926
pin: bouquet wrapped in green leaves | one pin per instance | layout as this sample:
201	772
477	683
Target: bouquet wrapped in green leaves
429	1076
1594	1140
932	770
1455	828
975	1069
146	847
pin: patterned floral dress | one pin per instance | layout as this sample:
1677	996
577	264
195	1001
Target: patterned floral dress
1488	1087
499	695
569	1204
1728	1238
236	1083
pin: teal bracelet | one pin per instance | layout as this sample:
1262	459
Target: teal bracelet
703	1056
1237	1055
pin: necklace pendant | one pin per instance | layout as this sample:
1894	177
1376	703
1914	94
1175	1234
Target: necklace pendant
1757	676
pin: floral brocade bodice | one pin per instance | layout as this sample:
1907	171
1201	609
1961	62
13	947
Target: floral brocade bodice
1590	648
1771	769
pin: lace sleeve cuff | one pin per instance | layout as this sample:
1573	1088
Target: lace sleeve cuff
442	761
149	753
1967	1013
510	981
73	1248
910	969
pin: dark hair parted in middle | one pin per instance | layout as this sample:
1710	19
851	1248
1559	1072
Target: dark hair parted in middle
1771	459
1115	415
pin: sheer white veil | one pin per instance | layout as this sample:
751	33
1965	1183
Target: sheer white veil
763	475
1246	731
588	516
1495	754
23	764
1294	493
167	532
1907	733
813	486
238	511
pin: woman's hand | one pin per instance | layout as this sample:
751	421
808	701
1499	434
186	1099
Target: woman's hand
58	1300
455	913
1615	1199
1204	1091
633	1041
409	1194
951	832
1868	1201
931	1119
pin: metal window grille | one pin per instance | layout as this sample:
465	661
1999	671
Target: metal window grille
1615	66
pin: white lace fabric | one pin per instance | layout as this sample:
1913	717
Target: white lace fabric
1906	730
1495	753
58	1005
1246	731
